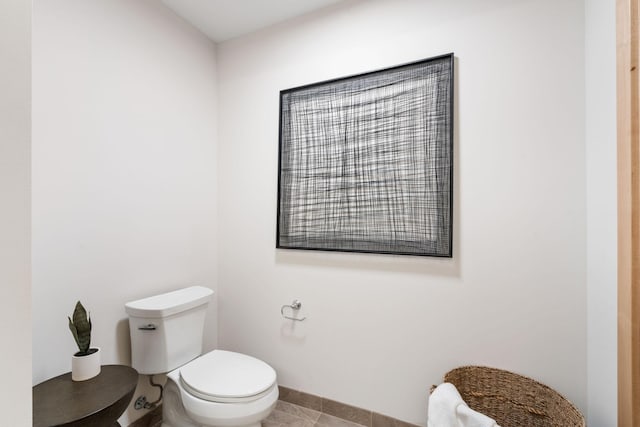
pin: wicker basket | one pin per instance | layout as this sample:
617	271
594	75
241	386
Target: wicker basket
513	400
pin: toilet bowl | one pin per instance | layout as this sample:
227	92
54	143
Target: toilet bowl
219	388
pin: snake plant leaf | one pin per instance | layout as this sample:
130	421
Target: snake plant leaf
73	330
80	327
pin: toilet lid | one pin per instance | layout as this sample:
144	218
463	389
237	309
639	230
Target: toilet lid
225	376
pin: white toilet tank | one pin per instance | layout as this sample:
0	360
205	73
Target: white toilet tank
166	330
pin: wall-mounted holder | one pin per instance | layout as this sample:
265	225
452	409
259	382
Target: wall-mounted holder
295	305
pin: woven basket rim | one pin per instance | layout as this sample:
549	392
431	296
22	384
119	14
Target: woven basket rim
516	375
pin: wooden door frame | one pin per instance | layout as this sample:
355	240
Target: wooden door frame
628	213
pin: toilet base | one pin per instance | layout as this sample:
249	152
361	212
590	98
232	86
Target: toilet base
251	425
210	414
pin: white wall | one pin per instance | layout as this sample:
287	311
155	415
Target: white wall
382	329
124	169
600	67
15	157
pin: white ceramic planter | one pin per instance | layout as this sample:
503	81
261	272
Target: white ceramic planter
85	367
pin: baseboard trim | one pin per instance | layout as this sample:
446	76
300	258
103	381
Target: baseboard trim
321	404
341	410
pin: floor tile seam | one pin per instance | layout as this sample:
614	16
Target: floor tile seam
347	407
299	412
318	414
354	424
309	414
381	420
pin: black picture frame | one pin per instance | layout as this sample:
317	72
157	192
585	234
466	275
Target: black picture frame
365	162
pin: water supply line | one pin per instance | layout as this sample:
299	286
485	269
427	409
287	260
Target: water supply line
153	404
141	402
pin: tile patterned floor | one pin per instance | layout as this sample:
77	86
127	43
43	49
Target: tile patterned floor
289	415
284	415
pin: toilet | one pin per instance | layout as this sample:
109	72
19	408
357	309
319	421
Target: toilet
218	388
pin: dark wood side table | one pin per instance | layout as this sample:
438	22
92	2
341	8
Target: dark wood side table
96	402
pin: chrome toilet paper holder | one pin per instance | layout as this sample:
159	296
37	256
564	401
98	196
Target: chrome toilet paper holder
295	306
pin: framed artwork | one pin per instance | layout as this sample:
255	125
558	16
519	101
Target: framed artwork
366	162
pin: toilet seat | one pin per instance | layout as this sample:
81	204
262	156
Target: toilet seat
227	377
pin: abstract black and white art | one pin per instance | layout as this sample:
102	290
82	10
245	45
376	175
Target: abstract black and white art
366	162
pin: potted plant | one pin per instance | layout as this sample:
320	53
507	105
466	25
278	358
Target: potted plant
85	364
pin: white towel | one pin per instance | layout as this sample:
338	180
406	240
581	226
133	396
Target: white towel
447	409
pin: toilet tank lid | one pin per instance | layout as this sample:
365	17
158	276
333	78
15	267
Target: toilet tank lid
165	305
